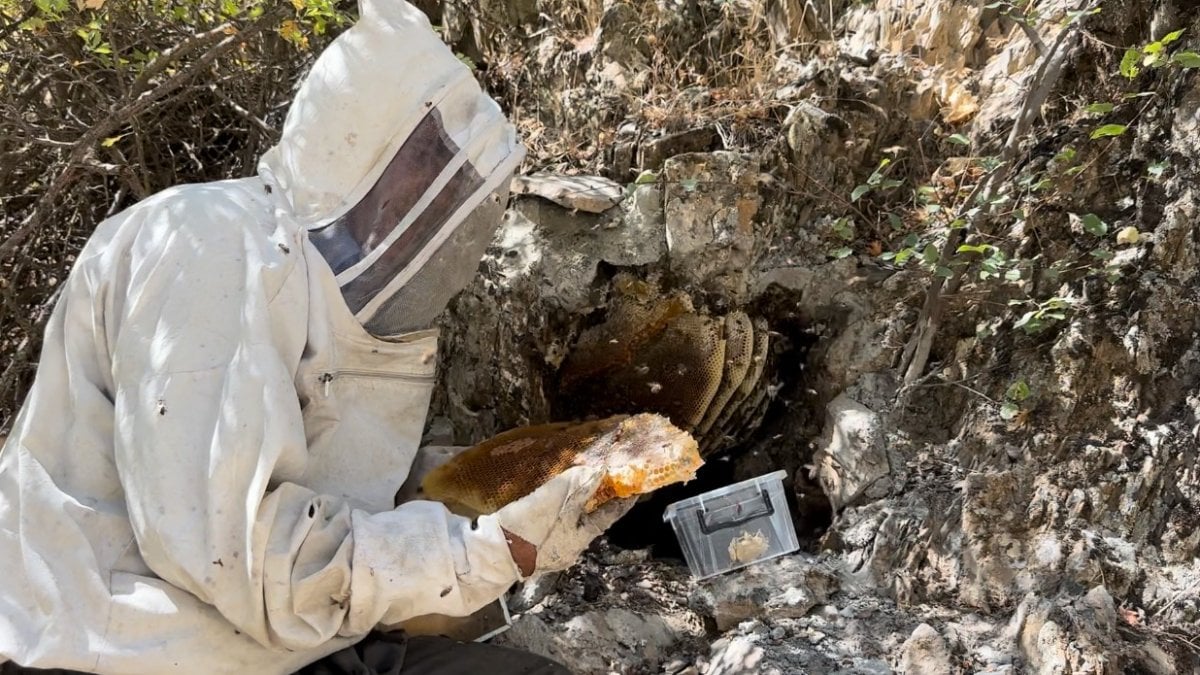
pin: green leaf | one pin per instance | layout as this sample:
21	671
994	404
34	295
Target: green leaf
974	248
1093	225
842	252
1066	155
1017	391
1009	411
1187	59
844	228
895	221
1100	108
1171	37
1109	131
944	272
859	192
1129	63
930	254
1028	321
1157	169
1013	275
646	178
1079	14
959	139
1101	254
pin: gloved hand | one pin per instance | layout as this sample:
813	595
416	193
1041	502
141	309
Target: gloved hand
548	529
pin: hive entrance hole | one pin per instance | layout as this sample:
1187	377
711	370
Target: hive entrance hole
781	442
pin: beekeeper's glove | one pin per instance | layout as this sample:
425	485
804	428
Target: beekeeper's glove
549	528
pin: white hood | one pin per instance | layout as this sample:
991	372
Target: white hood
391	148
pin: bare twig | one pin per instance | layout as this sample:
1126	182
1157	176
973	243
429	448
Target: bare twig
191	44
1035	39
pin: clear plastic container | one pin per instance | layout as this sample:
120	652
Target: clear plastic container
734	526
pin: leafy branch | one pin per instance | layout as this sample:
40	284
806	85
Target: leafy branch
976	210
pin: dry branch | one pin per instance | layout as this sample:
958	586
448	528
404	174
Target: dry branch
120	116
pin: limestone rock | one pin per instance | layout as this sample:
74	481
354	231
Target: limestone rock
656	151
738	655
711	205
783	588
596	641
852	460
591	194
925	653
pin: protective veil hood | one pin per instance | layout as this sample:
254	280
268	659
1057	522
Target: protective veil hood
397	164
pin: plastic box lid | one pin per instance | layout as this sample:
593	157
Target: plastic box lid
734	526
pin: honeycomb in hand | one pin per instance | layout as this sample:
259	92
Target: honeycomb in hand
639	454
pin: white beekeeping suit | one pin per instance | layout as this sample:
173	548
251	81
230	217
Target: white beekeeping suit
202	477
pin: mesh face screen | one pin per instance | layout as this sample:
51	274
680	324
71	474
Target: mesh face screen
639	454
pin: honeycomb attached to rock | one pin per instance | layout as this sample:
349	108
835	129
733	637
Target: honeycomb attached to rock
655	353
639	455
739	350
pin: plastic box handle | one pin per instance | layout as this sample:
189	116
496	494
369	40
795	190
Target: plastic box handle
706	528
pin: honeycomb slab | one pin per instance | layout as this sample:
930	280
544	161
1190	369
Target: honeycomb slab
639	454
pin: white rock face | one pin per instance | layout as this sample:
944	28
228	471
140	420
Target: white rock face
852	461
591	194
925	653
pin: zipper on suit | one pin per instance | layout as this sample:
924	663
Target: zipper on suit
328	377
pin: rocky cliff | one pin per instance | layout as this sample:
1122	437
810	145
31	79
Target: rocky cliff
969	227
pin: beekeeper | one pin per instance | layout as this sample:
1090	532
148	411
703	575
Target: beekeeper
233	387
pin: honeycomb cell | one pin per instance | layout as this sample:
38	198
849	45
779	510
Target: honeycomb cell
743	404
638	316
739	350
674	372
